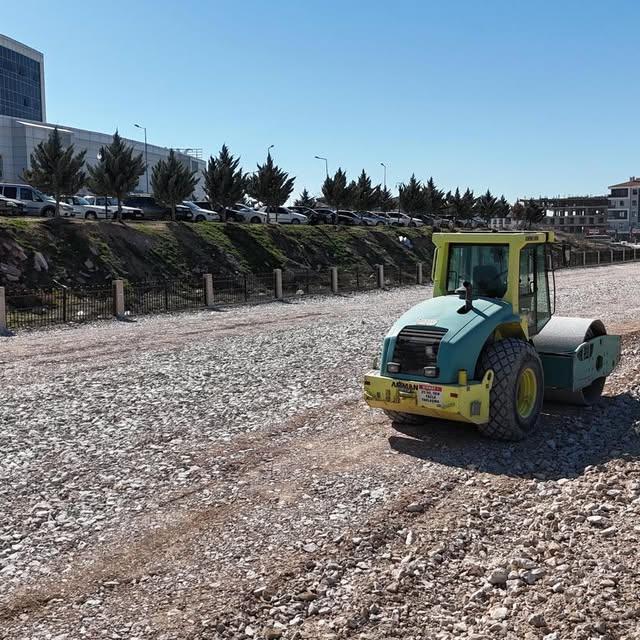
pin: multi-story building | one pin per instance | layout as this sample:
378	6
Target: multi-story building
21	81
582	214
622	213
23	124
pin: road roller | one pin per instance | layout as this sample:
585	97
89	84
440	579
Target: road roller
487	348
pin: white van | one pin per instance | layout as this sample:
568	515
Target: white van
35	203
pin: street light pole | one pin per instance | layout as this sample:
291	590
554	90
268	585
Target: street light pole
326	164
398	187
146	159
385	175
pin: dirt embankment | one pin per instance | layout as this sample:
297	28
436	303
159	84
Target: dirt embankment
37	252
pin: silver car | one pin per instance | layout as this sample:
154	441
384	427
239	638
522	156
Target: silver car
35	203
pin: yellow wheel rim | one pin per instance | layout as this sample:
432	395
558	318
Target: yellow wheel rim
527	392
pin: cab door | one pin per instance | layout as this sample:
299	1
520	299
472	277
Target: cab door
533	287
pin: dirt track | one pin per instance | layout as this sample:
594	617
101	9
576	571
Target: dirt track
217	475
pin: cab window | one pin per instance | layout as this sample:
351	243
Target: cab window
485	266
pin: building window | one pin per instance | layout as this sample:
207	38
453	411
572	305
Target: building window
622	203
20	91
634	192
618	214
619	193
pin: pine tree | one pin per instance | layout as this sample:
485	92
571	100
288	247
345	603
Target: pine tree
305	200
224	182
412	197
435	200
385	200
487	206
534	212
454	205
335	190
503	208
117	172
270	185
467	204
172	182
56	170
364	196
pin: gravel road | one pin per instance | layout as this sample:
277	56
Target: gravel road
217	475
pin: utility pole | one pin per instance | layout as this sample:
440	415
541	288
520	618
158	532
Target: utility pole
385	175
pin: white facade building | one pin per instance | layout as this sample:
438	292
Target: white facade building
18	139
23	121
622	213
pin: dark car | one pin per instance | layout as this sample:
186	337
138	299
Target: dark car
313	215
349	218
153	210
9	207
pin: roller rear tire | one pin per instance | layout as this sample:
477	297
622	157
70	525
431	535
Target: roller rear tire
518	388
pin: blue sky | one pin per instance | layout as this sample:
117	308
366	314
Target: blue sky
524	98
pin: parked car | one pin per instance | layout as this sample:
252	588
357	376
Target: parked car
199	214
284	215
243	213
111	205
322	215
203	204
348	218
305	211
371	219
9	207
82	208
399	219
153	210
35	203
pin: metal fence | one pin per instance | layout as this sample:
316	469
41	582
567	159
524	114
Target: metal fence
400	276
242	289
357	279
306	282
30	309
34	308
141	298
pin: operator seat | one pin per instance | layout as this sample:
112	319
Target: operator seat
486	281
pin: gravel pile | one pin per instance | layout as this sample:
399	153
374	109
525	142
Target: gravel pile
216	475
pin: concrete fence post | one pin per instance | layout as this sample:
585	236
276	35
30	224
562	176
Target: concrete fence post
611	250
118	298
277	284
3	314
623	256
584	258
380	276
208	289
334	279
635	257
598	256
419	276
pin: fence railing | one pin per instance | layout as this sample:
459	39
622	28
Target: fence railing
34	308
26	309
142	298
